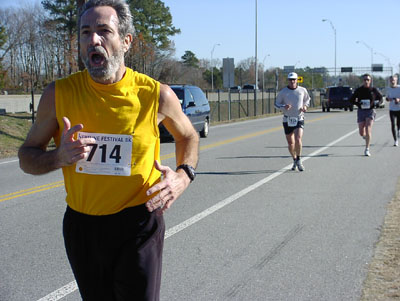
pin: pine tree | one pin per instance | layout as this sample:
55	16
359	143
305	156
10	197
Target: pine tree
153	20
63	15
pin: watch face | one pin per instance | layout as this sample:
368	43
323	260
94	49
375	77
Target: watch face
189	171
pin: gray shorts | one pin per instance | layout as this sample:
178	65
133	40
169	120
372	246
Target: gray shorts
362	115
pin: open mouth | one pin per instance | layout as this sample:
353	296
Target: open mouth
96	59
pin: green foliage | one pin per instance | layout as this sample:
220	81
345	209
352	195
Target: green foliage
190	59
64	14
3	36
379	82
153	20
217	75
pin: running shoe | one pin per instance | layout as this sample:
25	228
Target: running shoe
396	143
294	165
367	153
300	165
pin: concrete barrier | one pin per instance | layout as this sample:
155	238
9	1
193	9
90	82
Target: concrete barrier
18	103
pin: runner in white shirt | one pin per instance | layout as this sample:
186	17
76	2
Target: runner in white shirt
393	96
293	101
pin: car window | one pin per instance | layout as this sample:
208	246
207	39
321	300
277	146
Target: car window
199	97
188	97
339	91
179	94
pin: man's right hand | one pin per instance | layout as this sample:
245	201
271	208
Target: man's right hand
72	150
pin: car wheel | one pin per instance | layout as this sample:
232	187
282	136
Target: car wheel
328	109
345	109
205	130
323	109
351	109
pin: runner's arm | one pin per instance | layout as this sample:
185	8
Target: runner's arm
174	183
33	155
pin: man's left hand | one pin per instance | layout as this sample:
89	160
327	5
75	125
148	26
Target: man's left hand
304	109
172	185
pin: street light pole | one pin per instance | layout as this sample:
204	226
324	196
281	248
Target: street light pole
212	68
370	48
334	32
387	60
255	63
264	70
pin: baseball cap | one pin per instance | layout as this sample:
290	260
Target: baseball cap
292	75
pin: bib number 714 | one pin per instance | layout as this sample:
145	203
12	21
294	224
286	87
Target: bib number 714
115	153
110	155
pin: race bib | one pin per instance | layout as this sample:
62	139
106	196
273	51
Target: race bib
110	155
292	121
365	103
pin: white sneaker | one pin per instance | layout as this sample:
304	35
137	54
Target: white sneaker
367	153
300	166
396	143
294	165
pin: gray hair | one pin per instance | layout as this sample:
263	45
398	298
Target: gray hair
125	25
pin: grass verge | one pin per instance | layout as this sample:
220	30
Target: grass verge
13	131
383	280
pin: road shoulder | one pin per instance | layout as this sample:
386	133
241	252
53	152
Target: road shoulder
383	279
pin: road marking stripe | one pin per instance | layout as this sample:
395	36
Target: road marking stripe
11	161
164	157
29	191
239	138
61	292
72	286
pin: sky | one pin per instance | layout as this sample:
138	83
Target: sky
289	33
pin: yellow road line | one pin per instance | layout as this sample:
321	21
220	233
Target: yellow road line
33	190
29	191
169	156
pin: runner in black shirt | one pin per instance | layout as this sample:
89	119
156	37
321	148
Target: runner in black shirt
364	98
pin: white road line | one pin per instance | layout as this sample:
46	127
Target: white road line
11	161
61	292
72	286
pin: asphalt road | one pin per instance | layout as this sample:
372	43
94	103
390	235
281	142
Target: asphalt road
248	228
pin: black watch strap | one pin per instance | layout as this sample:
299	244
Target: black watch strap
189	171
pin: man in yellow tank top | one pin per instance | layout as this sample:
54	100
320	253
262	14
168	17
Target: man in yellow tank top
104	121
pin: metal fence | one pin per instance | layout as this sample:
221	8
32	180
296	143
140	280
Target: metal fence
227	106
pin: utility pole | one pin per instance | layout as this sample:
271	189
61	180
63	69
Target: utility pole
255	63
79	4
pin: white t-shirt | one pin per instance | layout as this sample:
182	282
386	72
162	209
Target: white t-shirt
393	93
297	98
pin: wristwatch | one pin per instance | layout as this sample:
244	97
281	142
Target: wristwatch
189	171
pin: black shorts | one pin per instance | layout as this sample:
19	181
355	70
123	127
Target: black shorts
118	256
290	129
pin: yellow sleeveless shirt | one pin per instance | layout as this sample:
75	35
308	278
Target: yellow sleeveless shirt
122	117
